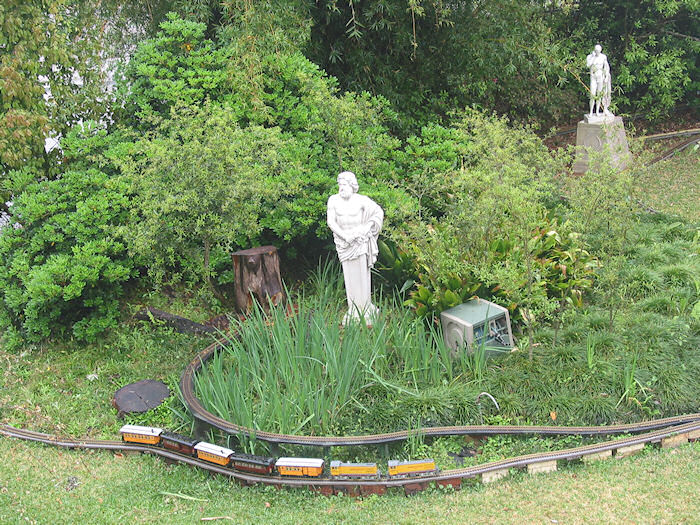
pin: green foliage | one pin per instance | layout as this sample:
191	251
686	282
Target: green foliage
178	65
299	371
205	183
41	49
337	133
495	181
430	57
394	267
433	295
287	106
63	264
647	368
602	207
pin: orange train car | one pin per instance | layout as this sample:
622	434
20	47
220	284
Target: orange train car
138	434
213	453
300	467
354	470
411	468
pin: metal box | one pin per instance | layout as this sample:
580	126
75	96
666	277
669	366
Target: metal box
477	322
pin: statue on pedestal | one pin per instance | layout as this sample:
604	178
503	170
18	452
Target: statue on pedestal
599	68
600	131
355	221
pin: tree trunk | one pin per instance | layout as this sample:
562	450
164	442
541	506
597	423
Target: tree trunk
257	276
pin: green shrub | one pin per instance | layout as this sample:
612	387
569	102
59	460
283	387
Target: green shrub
63	264
178	65
283	96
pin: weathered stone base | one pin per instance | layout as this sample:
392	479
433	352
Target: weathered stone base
598	137
674	441
414	488
598	456
455	483
366	490
694	435
543	467
494	475
629	450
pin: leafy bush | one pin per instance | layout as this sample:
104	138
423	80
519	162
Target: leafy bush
178	65
63	264
487	185
200	154
204	183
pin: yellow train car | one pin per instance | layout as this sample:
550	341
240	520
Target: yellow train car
411	468
138	434
213	453
354	470
300	467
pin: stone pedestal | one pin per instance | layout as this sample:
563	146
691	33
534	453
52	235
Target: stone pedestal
494	475
599	134
674	441
629	450
542	467
597	456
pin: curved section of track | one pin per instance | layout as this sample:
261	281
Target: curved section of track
203	416
452	477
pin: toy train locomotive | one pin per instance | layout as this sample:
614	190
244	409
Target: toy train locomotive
287	467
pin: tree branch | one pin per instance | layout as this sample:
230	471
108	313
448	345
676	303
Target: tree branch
680	35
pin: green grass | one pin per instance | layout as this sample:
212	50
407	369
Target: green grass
303	373
673	186
66	389
40	484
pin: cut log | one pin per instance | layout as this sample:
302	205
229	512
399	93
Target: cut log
257	276
177	323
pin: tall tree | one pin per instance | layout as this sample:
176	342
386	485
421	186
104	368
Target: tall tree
54	57
430	56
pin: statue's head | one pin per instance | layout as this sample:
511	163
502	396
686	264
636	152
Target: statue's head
347	178
598	49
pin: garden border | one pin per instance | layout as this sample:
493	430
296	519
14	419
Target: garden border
204	420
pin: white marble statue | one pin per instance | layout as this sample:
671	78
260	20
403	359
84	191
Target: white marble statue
355	221
598	65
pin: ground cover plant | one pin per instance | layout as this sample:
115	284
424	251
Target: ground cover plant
644	363
301	373
104	488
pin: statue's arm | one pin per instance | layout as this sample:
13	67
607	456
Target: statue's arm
375	218
606	67
589	60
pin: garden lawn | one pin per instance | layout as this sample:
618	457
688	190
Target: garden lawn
673	186
39	484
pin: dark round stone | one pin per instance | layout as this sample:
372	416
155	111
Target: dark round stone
141	396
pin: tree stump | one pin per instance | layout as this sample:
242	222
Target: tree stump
141	396
257	272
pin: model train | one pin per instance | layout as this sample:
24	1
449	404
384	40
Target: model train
286	467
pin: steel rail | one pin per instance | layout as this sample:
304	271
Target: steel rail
445	476
204	417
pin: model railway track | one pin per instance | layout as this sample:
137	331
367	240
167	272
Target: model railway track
686	431
206	419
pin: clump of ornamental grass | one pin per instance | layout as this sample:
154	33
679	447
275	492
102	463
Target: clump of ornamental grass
295	370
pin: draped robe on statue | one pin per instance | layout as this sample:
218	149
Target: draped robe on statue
358	257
